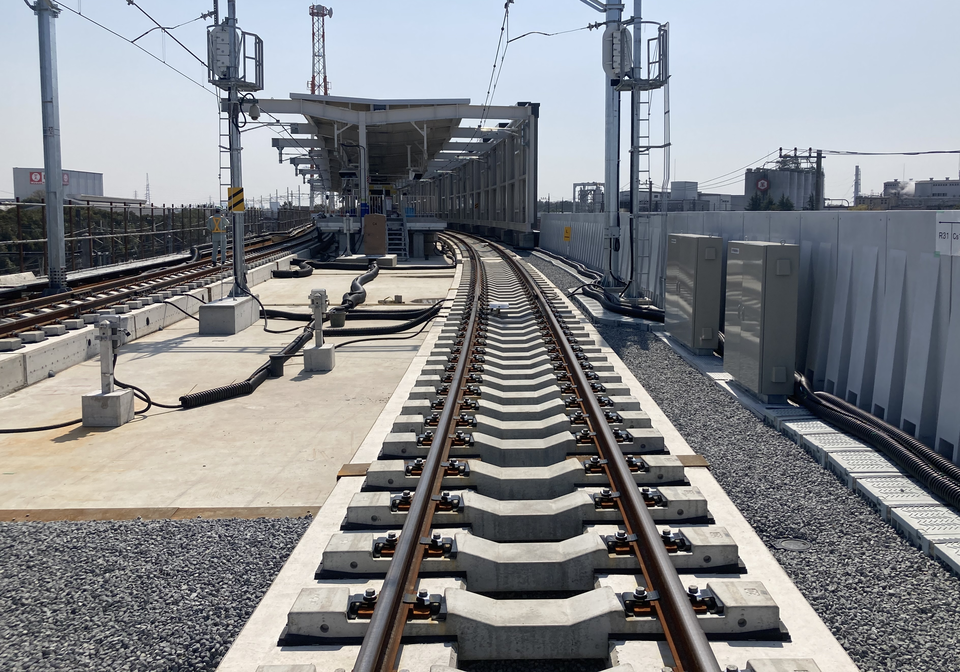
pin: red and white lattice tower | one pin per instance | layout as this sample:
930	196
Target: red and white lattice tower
318	82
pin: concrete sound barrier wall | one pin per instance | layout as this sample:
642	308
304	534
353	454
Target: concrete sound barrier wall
879	304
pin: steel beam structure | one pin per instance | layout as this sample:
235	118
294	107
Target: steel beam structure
315	108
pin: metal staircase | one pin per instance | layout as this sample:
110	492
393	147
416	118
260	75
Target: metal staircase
397	238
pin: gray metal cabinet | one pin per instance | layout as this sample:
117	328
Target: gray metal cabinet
760	333
694	274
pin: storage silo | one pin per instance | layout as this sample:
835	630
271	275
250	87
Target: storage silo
795	182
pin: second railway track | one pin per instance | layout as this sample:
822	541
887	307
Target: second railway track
22	315
525	509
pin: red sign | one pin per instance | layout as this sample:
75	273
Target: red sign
763	184
36	177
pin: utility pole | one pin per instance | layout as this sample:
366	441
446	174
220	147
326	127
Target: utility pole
611	173
236	172
818	185
856	185
47	11
229	56
635	122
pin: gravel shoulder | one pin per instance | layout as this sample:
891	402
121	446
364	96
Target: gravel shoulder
891	607
133	595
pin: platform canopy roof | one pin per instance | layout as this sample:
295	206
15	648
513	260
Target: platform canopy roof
402	135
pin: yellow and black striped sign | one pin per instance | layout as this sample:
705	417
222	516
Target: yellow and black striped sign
235	199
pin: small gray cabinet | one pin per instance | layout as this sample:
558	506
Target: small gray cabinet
760	321
694	272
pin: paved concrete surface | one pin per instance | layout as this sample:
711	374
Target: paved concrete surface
280	447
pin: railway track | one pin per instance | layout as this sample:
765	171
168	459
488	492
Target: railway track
524	509
27	314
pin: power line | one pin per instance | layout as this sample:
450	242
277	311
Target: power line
592	26
148	53
167	31
720	178
491	84
836	152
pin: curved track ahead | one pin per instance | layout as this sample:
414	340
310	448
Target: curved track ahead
524	508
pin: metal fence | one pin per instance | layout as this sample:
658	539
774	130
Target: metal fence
99	234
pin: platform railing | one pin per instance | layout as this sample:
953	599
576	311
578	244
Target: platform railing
106	233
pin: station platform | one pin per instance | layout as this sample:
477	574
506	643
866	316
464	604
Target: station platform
277	450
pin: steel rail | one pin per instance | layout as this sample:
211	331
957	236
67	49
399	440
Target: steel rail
382	640
199	270
688	642
80	291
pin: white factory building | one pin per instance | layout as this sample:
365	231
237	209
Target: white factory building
28	181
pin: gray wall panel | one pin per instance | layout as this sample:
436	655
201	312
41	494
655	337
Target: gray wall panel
894	330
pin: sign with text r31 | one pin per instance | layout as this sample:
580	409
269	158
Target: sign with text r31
948	235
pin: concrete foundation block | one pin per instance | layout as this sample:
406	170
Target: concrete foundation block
384	260
107	410
32	336
228	316
525	241
12	373
121	308
322	358
89	318
54	329
73	324
8	344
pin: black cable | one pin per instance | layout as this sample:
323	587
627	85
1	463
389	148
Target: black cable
191	316
378	331
22	430
142	396
942	485
401	338
167	31
367	314
263	314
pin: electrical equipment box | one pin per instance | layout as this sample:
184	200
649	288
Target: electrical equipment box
374	234
694	274
760	332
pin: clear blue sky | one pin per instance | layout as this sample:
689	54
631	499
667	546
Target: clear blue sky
748	77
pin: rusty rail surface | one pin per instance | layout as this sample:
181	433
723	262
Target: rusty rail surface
382	640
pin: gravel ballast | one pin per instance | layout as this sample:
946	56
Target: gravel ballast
133	595
891	607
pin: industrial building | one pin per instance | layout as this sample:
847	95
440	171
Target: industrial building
915	195
799	184
28	181
683	196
